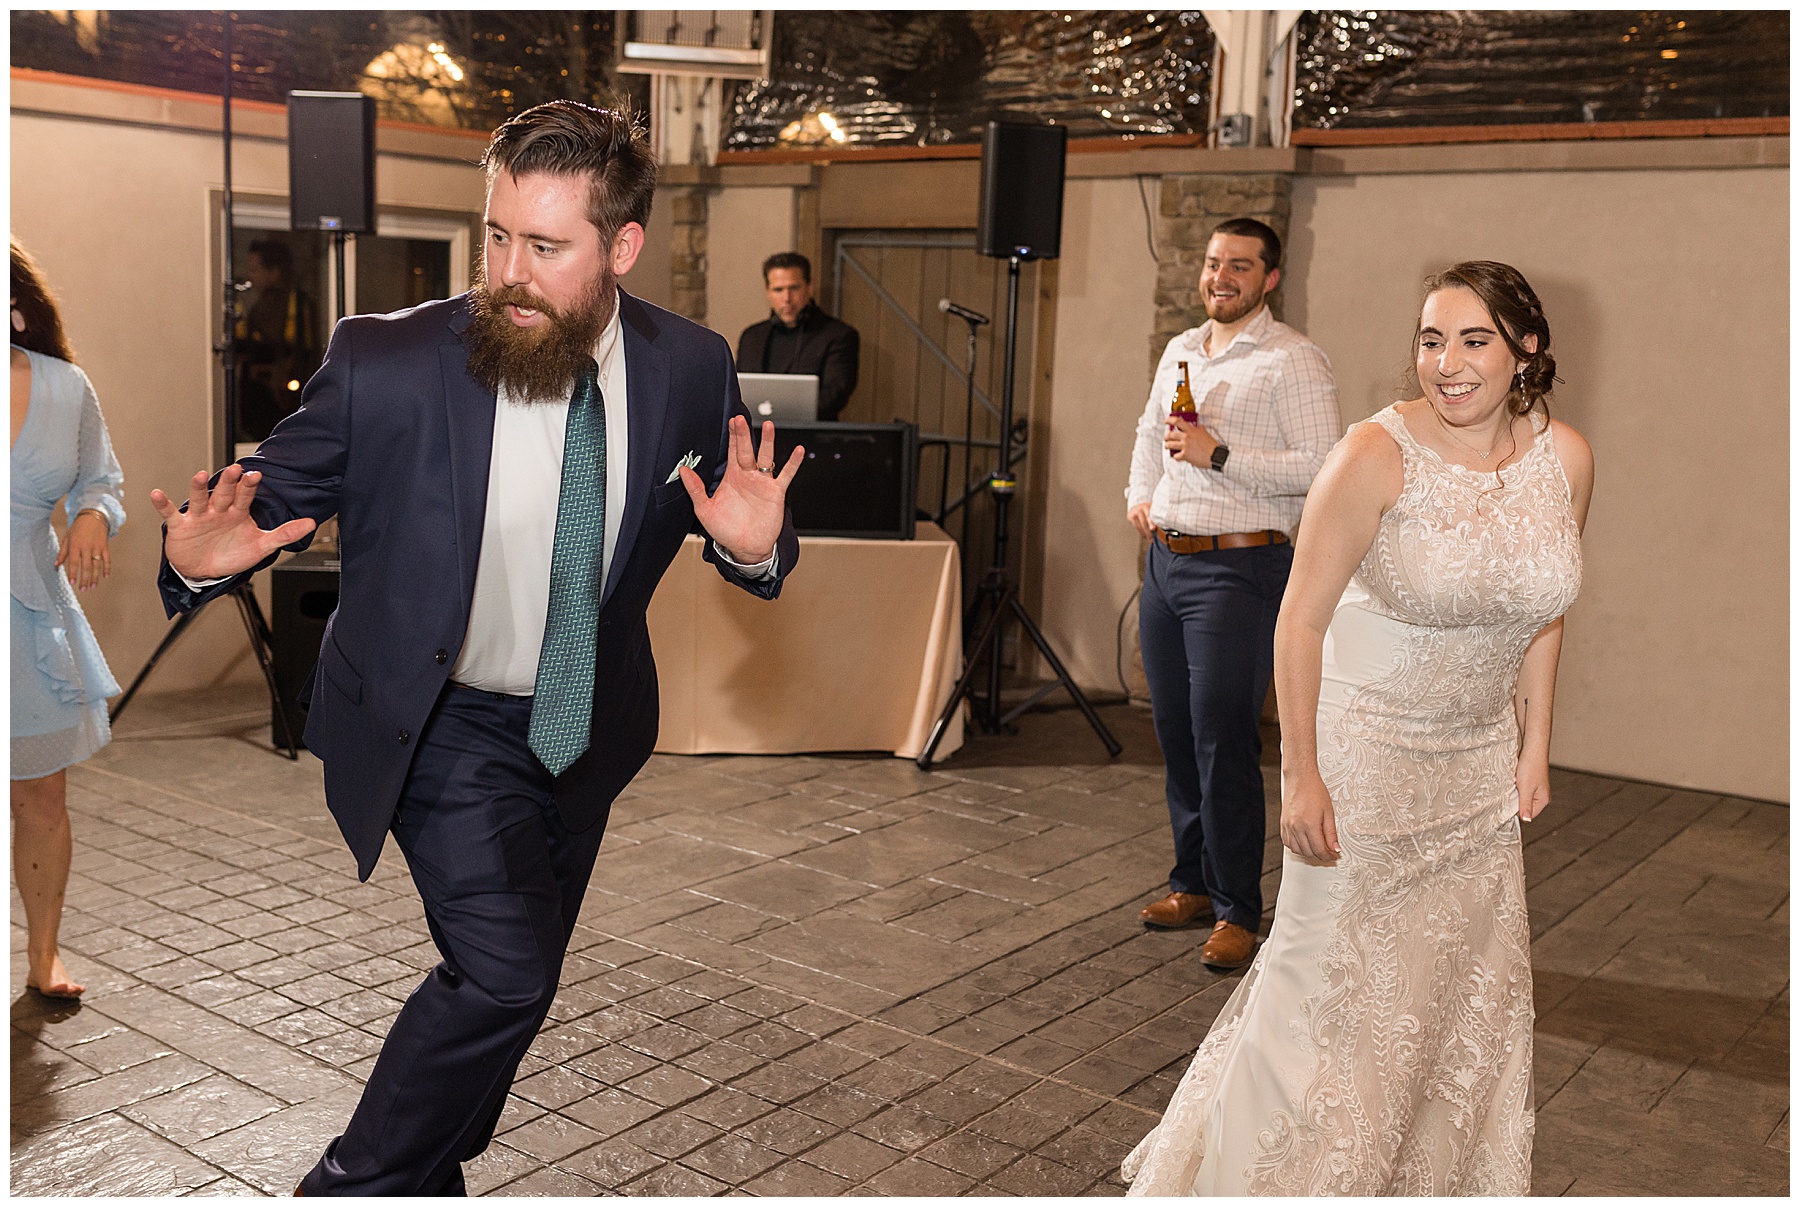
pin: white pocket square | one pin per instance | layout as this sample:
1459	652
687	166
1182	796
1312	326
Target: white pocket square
691	461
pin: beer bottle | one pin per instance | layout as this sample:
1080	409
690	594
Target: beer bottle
1182	409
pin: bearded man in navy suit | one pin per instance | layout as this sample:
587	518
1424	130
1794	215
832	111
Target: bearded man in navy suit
512	471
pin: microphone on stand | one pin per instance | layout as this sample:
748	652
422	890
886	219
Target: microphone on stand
964	313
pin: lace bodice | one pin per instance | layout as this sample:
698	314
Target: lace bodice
1458	549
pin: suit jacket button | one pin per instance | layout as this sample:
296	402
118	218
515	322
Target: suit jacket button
405	737
442	657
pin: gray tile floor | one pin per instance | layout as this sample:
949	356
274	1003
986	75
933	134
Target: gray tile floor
807	976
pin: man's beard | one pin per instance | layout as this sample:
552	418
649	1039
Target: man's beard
1230	310
537	363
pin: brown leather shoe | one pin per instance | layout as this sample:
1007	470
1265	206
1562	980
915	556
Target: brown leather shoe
1231	946
1176	910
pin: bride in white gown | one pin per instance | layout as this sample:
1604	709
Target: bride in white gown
1381	1042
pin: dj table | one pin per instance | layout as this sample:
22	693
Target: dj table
861	651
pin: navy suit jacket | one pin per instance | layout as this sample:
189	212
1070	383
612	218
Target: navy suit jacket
394	438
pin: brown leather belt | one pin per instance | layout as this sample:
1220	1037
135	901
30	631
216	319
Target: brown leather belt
1179	543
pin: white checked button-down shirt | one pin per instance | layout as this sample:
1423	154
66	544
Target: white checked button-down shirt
1271	399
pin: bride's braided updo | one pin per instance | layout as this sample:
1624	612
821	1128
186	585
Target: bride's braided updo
1516	311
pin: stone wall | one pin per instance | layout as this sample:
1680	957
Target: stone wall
1191	207
687	250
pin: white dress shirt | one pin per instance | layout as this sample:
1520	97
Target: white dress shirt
1270	398
512	579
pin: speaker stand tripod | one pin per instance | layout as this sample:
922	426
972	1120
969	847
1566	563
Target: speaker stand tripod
998	595
260	643
254	623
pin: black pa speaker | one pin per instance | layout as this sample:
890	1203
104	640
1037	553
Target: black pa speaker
331	161
1021	191
303	592
858	479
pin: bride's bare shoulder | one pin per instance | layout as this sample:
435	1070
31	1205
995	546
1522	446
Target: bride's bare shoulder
1571	446
1577	459
1366	463
1371	441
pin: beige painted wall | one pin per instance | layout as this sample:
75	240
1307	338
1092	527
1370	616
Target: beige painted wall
744	227
117	215
1672	339
1100	382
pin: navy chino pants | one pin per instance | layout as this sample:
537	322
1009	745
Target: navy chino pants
1206	622
502	880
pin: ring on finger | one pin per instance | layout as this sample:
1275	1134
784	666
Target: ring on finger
765	469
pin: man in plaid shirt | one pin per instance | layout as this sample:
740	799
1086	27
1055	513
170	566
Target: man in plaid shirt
1220	500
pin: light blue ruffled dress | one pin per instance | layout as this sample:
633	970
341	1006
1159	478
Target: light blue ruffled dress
60	680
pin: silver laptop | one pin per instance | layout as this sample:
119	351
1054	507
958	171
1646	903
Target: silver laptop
783	397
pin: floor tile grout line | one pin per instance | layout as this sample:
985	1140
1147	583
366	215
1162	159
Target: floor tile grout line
140	983
973	1054
1039	1078
118	1112
1639	862
179	727
192	800
1550	836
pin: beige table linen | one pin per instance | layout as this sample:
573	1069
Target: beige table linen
860	652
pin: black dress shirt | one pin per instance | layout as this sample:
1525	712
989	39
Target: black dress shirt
816	343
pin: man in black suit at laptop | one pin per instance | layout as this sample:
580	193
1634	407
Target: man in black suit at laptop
798	337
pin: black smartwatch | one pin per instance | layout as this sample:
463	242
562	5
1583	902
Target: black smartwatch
1219	453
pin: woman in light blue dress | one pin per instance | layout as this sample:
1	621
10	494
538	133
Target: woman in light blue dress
60	681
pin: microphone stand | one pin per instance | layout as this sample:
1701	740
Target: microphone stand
968	424
998	590
255	625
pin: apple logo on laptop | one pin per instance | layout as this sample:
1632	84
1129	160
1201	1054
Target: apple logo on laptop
765	408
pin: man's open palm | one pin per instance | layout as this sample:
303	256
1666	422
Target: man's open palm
745	514
216	536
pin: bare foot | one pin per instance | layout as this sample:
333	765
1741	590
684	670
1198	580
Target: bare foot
54	980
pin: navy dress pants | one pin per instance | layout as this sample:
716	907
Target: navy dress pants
502	879
1206	622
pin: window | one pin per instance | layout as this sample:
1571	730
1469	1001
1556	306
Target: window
287	298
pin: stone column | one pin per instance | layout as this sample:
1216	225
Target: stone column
687	250
1191	207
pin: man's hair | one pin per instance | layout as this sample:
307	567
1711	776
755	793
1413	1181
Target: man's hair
36	305
788	259
568	138
1250	228
276	255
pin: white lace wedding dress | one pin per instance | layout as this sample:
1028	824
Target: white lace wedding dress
1381	1041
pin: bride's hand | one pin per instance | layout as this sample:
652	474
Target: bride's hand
1308	823
1533	779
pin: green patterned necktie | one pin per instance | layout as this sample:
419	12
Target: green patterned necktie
563	702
